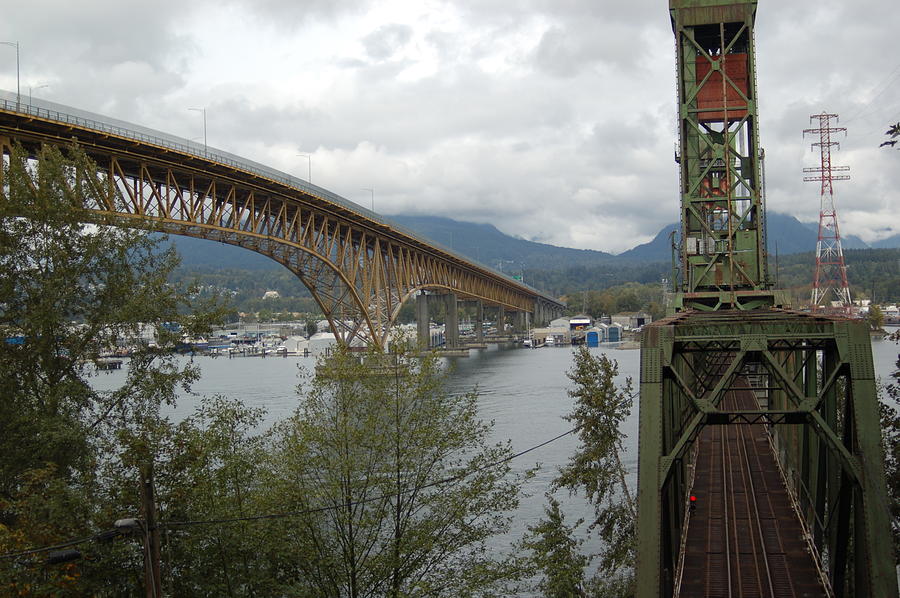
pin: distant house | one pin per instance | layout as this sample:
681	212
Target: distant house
559	323
271	295
596	335
631	319
557	331
580	322
614	333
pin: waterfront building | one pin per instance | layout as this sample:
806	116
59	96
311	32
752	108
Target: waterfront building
631	319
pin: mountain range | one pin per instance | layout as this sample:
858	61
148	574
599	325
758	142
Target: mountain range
484	243
785	235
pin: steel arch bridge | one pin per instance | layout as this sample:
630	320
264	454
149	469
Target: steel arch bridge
358	266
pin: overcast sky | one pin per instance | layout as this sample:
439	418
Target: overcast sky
554	120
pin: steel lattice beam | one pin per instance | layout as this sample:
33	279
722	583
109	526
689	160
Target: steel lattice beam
723	253
359	271
835	461
811	376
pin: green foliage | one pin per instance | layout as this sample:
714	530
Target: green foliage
875	317
68	292
626	297
246	288
890	431
596	469
872	273
570	281
209	467
311	327
619	586
402	472
890	438
556	554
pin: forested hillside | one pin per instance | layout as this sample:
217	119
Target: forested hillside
870	272
559	271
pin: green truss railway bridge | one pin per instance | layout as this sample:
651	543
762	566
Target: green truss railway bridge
760	470
359	266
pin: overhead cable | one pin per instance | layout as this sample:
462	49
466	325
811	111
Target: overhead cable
380	497
187	523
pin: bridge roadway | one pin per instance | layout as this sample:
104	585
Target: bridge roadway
359	266
743	537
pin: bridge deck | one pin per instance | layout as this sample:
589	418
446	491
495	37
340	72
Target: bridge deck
743	536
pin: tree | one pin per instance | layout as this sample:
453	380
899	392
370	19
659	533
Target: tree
597	470
890	440
69	293
401	487
890	434
311	325
556	554
876	317
210	466
893	132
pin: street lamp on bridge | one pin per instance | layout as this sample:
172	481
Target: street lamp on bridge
32	88
372	191
308	167
203	110
18	88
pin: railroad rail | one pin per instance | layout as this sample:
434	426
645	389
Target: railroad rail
744	537
804	460
769	416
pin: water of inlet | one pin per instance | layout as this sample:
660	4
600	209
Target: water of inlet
523	391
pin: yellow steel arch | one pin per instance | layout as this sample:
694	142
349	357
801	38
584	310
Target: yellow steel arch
358	267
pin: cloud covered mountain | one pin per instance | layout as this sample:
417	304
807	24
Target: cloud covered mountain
484	243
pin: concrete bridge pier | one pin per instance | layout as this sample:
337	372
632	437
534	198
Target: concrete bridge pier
479	322
451	324
544	312
422	320
521	321
501	320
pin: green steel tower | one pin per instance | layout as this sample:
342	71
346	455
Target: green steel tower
723	257
733	362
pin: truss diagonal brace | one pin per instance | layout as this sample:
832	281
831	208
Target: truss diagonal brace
718	392
791	388
851	467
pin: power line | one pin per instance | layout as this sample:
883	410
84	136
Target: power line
887	82
12	555
187	523
380	497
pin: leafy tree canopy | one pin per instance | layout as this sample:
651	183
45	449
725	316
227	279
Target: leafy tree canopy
71	292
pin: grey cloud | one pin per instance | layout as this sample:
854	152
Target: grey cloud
102	55
555	55
99	33
579	118
385	41
291	15
572	11
566	50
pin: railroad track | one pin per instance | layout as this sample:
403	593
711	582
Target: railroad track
743	538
